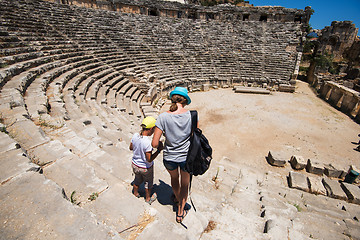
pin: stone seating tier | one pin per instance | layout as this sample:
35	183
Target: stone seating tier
132	36
94	88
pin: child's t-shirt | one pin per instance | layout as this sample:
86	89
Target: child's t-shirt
141	145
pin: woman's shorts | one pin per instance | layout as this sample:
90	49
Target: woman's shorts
169	165
145	175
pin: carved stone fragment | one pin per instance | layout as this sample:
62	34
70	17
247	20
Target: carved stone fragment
276	159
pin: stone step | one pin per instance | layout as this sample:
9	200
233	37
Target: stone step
6	142
117	215
27	134
235	198
310	213
76	176
32	198
74	141
192	227
93	89
335	228
14	161
83	86
119	120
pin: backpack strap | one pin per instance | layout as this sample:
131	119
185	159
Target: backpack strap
194	118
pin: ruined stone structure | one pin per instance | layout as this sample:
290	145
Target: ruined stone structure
338	38
353	53
177	10
257	45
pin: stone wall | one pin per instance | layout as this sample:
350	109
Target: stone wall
353	53
342	98
224	12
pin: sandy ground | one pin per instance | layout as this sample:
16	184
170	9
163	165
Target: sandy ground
244	127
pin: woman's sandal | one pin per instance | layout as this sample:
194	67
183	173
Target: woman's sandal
180	218
152	199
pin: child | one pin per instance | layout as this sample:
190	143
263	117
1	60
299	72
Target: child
142	160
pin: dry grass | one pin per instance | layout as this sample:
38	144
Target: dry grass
45	124
211	226
140	226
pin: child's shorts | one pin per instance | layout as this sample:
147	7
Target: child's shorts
145	175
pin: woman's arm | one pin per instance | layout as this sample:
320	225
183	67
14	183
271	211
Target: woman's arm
156	137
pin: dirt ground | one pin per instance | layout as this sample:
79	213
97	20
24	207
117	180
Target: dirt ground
244	127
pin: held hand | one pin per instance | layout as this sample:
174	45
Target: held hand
161	146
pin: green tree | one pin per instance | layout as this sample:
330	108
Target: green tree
323	61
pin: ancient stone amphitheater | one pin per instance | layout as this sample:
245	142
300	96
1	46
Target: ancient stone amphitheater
74	85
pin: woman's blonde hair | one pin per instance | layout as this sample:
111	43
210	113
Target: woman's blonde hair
177	99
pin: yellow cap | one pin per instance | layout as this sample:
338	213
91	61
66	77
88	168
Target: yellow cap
149	122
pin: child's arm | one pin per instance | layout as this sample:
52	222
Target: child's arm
151	156
131	146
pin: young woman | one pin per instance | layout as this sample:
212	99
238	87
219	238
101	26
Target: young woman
175	124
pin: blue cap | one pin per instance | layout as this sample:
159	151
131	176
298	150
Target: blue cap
182	92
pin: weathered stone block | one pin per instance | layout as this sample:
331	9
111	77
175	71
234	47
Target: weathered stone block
298	181
343	174
27	134
333	189
349	102
48	152
316	186
324	90
276	159
205	87
297	162
315	167
331	171
286	88
6	143
335	96
240	89
352	192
